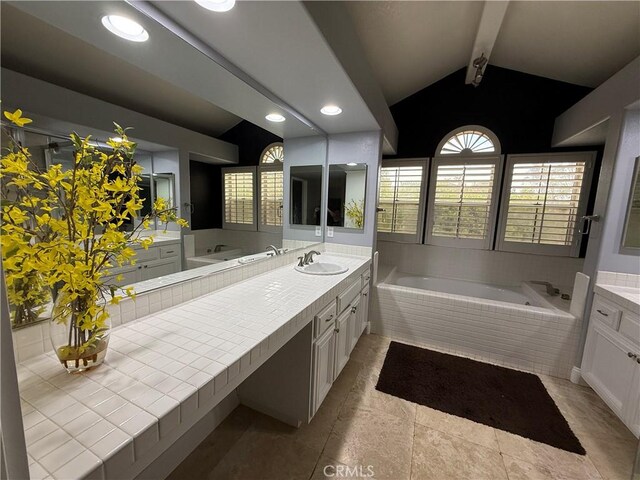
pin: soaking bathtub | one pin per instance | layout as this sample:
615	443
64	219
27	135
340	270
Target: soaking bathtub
518	327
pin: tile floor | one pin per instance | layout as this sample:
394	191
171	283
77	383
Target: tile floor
357	426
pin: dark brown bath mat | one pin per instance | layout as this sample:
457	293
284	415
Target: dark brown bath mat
499	397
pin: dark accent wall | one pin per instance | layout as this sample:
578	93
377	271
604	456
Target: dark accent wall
206	179
519	108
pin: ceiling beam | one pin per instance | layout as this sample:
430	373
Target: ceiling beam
488	29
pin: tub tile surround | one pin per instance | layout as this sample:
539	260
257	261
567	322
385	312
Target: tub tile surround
164	372
529	338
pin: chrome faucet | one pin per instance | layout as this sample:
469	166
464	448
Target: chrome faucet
551	290
275	250
308	257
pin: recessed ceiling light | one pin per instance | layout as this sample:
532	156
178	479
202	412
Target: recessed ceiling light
217	5
331	110
275	117
125	28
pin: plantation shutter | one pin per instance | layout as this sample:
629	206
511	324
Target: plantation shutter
399	198
271	194
463	201
543	202
239	197
545	197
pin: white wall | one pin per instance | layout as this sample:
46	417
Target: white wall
610	258
489	266
359	147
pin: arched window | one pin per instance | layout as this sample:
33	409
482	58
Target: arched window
472	139
272	155
271	188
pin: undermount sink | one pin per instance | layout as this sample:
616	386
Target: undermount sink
322	268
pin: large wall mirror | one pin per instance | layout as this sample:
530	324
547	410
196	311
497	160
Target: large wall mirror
346	199
306	195
631	234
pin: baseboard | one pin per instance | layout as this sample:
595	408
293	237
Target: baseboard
576	377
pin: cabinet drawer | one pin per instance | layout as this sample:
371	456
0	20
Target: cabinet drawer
346	297
605	312
630	328
151	253
169	251
324	319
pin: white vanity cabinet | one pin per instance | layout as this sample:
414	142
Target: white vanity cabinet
156	261
611	360
337	328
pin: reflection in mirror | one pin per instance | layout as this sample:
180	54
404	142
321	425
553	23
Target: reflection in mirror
631	238
306	195
345	207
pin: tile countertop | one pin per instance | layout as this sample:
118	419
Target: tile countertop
163	373
628	297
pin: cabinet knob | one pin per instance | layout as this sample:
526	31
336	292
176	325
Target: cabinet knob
632	355
602	313
337	330
329	319
140	267
146	266
353	309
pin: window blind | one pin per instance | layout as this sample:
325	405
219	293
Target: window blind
462	201
399	199
238	197
543	202
271	193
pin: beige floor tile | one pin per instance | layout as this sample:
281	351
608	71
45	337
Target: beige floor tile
457	426
439	456
613	457
367	437
553	461
520	470
328	468
213	448
261	455
364	395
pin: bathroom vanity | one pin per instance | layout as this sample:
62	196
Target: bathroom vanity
168	372
611	362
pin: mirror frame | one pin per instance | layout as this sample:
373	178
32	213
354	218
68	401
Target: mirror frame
364	199
624	249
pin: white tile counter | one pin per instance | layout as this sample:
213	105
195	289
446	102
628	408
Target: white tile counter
628	297
163	373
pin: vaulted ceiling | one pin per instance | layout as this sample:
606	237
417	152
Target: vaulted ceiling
411	45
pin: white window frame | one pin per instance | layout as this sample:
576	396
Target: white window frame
267	168
240	226
407	237
450	159
572	250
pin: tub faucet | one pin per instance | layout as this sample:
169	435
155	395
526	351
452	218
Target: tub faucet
308	257
275	250
551	290
218	248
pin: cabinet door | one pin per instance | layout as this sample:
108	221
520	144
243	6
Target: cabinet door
364	309
355	323
130	275
323	361
607	367
343	340
632	413
158	269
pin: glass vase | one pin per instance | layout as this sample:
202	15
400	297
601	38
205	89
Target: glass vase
79	334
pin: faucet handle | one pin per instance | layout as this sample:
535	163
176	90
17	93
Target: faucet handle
301	261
